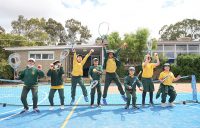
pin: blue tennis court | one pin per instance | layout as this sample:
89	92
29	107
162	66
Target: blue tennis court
81	115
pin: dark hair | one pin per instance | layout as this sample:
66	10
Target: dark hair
79	55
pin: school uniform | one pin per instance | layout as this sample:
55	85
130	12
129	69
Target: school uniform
56	84
30	77
96	76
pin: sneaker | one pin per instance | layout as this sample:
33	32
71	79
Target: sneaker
24	111
86	99
151	104
124	98
99	106
92	106
62	107
104	101
51	108
126	107
72	102
135	107
36	110
171	104
163	105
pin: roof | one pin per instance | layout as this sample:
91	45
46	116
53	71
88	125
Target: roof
178	42
57	47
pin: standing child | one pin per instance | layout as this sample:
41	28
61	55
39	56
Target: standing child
55	72
95	73
77	73
30	77
111	63
167	78
147	75
130	83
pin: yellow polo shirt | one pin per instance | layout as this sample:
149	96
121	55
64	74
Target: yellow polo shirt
78	67
148	70
169	80
111	66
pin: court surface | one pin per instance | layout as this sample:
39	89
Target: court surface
112	116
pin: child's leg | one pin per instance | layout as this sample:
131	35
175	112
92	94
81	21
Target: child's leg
151	97
34	91
118	83
74	82
134	98
164	96
25	91
143	97
51	95
172	94
128	94
61	95
99	93
81	83
108	80
92	93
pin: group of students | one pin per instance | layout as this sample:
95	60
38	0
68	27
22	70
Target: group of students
31	74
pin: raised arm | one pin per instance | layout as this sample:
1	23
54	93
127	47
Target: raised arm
86	57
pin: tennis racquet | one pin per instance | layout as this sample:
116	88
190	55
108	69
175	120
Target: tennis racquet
94	84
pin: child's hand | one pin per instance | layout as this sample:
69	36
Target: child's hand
141	88
156	55
178	77
91	79
73	50
39	67
92	50
51	66
129	87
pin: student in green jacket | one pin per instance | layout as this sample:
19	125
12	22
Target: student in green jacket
55	72
130	83
30	77
95	73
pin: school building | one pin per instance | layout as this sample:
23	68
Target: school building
45	55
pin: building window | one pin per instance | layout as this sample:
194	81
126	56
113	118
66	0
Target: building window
42	55
169	55
160	47
181	47
193	47
169	47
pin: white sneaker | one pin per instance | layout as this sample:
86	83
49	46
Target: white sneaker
171	104
163	105
51	108
62	107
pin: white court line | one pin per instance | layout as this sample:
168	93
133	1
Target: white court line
1	119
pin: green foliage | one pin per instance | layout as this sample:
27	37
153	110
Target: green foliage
185	28
187	65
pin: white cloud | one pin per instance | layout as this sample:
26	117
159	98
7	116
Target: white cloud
122	15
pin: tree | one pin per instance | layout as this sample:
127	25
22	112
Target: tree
55	30
134	53
77	33
2	30
10	40
19	25
185	28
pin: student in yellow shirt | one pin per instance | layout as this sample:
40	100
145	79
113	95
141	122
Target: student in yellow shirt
111	63
77	73
167	78
147	75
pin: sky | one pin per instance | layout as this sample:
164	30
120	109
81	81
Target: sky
123	16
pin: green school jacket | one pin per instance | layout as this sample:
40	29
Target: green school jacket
30	76
128	81
95	76
56	76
